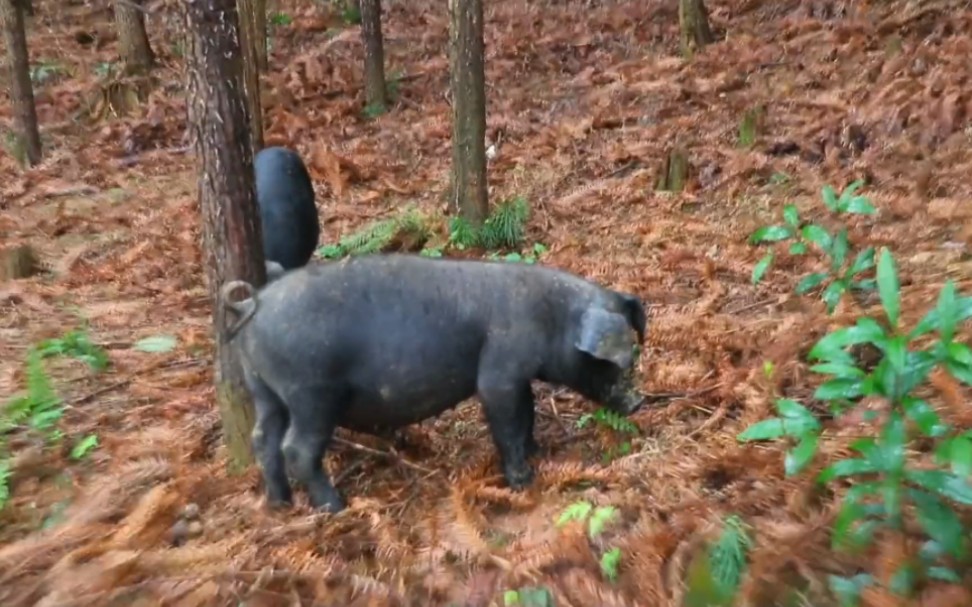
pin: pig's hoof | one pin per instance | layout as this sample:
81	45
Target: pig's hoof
519	479
280	498
331	504
279	504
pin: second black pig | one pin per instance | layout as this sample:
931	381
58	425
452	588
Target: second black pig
378	342
285	197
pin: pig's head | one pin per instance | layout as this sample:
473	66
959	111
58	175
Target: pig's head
605	341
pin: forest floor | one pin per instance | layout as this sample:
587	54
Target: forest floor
585	102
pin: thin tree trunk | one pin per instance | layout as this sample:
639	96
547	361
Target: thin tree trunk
375	92
231	224
693	21
133	43
469	110
250	40
260	23
21	88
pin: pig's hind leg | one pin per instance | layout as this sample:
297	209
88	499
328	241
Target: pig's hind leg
505	395
313	416
268	432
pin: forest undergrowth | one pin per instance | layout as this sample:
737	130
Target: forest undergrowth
114	487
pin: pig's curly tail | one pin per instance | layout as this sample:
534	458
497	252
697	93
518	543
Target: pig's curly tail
244	309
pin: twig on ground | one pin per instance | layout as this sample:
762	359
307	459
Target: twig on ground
124	382
389	454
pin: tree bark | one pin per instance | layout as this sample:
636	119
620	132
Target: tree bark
693	21
133	43
231	224
250	40
21	88
469	110
260	23
375	92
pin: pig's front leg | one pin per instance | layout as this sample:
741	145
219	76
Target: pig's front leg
267	436
505	395
313	415
527	408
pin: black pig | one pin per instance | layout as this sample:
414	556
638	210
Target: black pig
374	343
285	197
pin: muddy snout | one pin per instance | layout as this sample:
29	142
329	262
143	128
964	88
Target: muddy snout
631	402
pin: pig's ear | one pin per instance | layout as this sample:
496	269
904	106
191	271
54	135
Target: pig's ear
607	336
635	311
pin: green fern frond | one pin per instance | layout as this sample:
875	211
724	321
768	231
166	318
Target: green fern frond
728	554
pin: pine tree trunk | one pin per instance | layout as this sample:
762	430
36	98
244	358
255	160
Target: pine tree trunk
693	21
231	224
375	92
260	21
21	88
133	42
469	110
249	40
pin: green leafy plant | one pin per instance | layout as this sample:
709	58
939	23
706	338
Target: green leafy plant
280	19
889	488
528	597
842	274
75	344
748	127
350	11
378	235
532	257
373	110
714	574
597	519
84	446
506	225
393	84
39	409
616	422
45	71
608	419
609	563
504	228
728	555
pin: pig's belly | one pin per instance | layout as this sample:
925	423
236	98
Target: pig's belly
388	405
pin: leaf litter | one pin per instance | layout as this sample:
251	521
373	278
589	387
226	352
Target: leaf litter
586	102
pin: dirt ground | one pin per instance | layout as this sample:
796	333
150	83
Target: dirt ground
586	100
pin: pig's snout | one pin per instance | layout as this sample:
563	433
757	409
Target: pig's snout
631	402
625	400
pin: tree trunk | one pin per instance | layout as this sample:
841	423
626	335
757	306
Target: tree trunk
133	42
693	21
260	23
231	223
21	88
469	110
375	93
249	41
